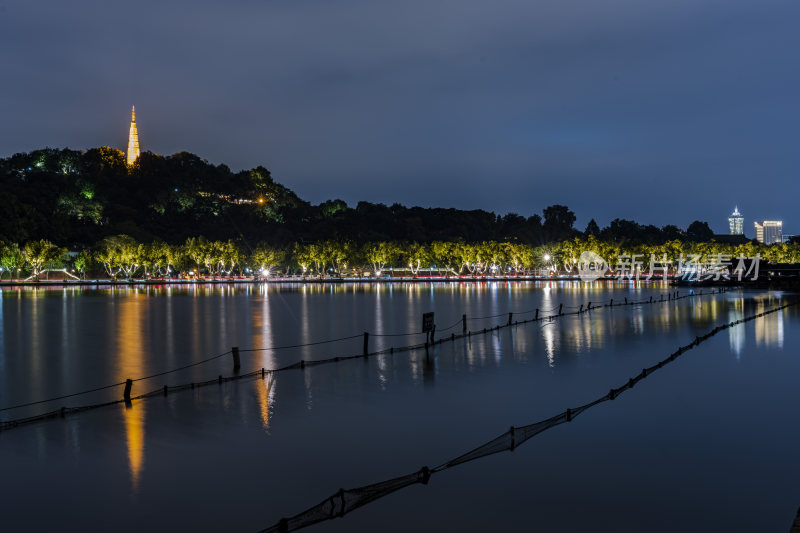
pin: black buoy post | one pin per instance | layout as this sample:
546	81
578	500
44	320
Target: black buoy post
537	314
464	324
509	318
560	306
128	386
237	363
366	343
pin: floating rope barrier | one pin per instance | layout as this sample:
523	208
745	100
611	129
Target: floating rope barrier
466	333
347	500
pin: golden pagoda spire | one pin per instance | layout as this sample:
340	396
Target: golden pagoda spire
133	139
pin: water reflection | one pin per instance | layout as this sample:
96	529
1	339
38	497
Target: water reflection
769	330
144	330
129	326
265	391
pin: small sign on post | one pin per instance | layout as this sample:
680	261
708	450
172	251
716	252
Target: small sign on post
427	322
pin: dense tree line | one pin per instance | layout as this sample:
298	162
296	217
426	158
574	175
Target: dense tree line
121	257
77	198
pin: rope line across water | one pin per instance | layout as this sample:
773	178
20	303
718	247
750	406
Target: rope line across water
8	424
347	500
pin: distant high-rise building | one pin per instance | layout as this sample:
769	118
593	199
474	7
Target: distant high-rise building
133	139
769	231
736	222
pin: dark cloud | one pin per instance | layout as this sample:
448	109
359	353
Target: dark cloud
660	111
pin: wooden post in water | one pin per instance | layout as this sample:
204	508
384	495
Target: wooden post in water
464	324
509	318
366	343
127	394
537	314
581	309
612	302
236	361
559	309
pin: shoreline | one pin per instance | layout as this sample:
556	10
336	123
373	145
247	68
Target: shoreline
675	281
286	280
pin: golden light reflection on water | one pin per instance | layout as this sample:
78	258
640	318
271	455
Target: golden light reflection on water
265	390
134	417
129	325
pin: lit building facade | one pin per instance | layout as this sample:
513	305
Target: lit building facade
736	222
769	231
133	139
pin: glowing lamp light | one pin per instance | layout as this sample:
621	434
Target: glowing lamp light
260	201
546	257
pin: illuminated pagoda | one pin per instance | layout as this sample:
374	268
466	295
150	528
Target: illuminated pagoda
133	139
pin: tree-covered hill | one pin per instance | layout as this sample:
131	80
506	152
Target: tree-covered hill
76	198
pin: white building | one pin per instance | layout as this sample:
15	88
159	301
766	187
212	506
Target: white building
769	231
736	222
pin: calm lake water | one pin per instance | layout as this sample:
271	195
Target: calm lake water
709	443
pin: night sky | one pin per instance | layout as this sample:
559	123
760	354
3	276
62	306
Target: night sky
660	111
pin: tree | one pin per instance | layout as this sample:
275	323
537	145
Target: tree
118	254
11	259
39	254
558	222
592	229
310	257
445	255
416	255
230	255
266	258
337	253
82	262
331	208
380	254
699	231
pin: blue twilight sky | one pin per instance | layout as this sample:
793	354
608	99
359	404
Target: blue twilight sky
660	111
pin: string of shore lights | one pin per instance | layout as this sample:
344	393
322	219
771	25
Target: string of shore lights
557	312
